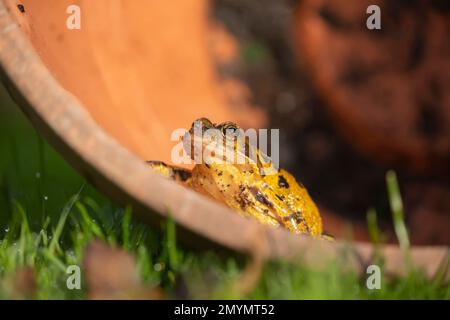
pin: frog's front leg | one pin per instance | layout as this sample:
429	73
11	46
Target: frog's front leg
177	174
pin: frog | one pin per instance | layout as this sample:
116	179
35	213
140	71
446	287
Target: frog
254	188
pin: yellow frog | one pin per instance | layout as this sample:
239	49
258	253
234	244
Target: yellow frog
253	187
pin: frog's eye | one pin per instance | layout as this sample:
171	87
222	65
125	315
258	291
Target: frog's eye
229	128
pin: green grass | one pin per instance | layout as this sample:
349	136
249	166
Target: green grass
48	214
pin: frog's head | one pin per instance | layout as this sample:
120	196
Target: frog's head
209	143
221	143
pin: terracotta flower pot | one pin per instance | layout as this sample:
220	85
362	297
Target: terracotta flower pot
387	90
109	95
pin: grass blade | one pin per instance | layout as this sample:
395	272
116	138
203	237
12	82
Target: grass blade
396	204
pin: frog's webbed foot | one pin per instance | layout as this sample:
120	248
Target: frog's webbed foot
175	173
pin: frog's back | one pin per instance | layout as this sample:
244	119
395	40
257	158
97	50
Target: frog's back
302	214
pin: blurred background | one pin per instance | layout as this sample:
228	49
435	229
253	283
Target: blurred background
351	103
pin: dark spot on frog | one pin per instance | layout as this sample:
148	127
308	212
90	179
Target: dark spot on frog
297	216
21	8
220	173
299	220
308	229
275	217
280	197
260	197
242	198
282	182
